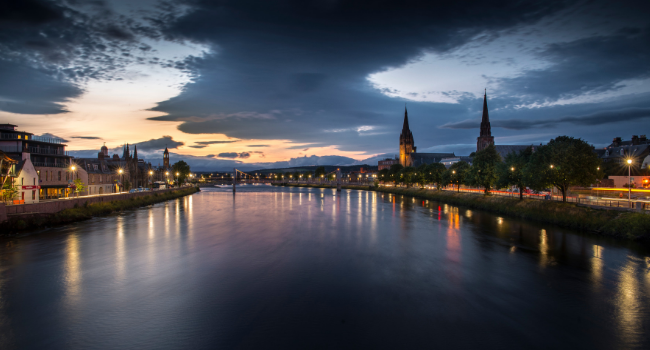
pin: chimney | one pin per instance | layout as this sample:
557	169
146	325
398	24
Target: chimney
100	155
616	142
643	139
116	157
635	139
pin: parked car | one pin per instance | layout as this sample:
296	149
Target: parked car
133	190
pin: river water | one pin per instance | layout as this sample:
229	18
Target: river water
314	269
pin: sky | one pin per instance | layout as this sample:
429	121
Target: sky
260	84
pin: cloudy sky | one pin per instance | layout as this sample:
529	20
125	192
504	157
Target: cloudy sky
281	83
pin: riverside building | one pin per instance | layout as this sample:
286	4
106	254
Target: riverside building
47	156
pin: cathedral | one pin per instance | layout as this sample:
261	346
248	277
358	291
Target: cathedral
407	150
409	157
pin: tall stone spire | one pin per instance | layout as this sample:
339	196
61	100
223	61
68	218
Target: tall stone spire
485	137
166	158
135	152
406	143
485	120
124	152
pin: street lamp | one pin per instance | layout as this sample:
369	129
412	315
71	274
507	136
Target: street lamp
151	180
629	180
177	182
122	182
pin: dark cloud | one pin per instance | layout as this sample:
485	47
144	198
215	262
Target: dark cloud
197	146
598	118
26	90
158	144
86	137
47	135
228	155
293	70
49	47
593	64
213	142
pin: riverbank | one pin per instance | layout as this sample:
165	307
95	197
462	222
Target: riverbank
622	225
31	221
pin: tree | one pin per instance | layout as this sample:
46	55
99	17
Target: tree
9	191
456	174
483	171
383	175
80	186
512	170
395	172
182	169
563	162
422	175
407	176
319	171
436	174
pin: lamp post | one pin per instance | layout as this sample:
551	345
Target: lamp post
629	181
166	175
72	168
150	180
122	181
177	183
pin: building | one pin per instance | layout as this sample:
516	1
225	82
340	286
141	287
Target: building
637	148
20	175
406	143
388	162
407	150
106	174
485	136
47	156
451	160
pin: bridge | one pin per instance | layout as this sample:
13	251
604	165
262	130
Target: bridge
240	177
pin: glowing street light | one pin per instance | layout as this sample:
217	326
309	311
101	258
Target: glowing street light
629	180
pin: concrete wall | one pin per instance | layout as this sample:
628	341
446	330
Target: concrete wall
55	206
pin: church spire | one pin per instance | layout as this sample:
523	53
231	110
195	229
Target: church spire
485	120
485	138
405	127
135	152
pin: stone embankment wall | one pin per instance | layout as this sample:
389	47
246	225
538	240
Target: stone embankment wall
55	206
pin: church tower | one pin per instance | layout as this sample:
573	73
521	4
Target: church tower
166	159
406	143
485	139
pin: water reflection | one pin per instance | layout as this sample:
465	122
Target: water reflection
290	268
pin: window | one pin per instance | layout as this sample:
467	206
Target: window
19	136
95	167
622	151
34	181
59	176
67	176
34	195
22	181
607	153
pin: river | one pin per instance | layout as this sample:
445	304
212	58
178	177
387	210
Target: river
306	268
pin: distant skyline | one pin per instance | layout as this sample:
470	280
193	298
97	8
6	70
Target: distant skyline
275	83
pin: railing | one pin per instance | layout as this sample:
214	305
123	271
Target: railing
47	139
41	150
50	165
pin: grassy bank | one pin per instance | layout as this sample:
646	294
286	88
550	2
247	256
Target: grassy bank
36	221
625	225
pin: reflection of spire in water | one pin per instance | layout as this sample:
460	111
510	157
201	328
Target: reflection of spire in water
630	312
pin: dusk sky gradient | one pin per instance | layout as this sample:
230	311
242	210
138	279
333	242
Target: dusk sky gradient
287	83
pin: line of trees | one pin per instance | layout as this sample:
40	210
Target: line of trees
563	162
